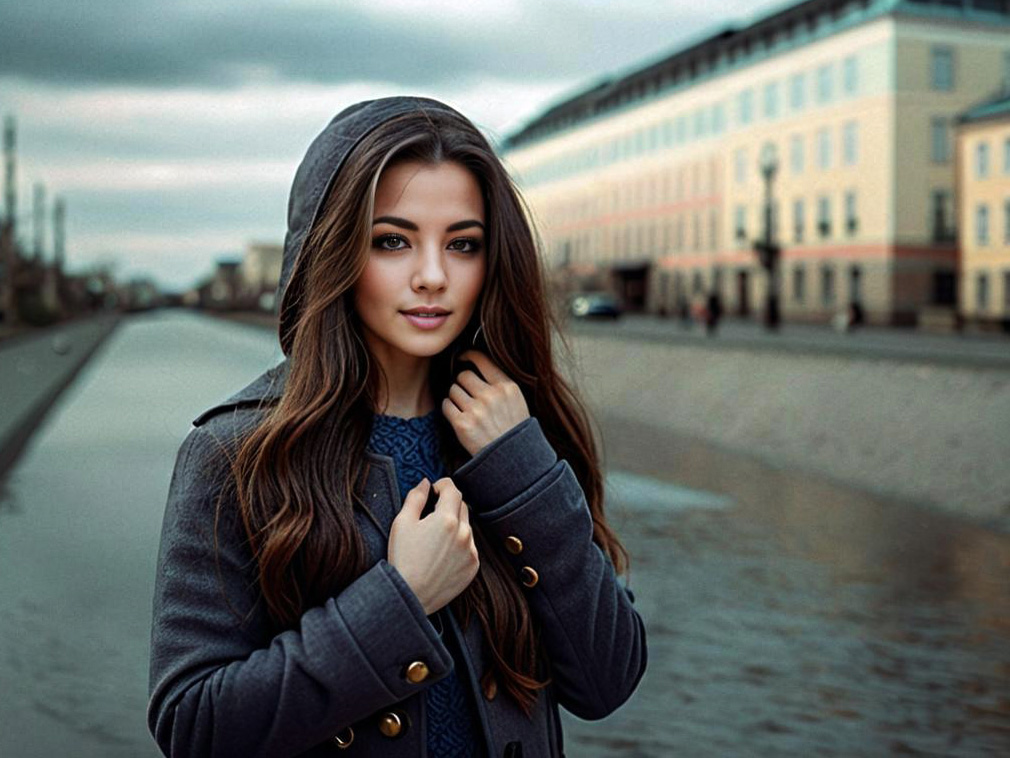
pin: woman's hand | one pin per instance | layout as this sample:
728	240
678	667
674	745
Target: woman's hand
436	554
481	411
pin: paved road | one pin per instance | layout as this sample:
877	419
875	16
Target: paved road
785	616
969	349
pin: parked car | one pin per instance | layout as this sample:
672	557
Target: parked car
594	305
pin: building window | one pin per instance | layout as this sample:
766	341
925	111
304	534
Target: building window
740	223
850	143
939	130
697	231
713	230
797	91
850	75
1006	221
982	160
697	283
1006	156
824	216
740	165
799	222
941	215
681	129
982	291
851	216
771	100
745	107
1006	291
982	224
942	68
825	90
701	122
799	283
827	285
718	118
823	149
855	285
796	154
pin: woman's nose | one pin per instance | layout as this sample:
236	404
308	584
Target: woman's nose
430	270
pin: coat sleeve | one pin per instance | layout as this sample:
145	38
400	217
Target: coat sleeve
219	687
595	638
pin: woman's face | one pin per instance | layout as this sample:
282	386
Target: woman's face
427	251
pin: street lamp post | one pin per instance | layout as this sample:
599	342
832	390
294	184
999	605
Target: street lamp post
766	249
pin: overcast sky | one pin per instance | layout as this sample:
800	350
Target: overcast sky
173	129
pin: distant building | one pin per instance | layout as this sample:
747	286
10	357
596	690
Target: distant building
259	274
221	291
652	176
983	192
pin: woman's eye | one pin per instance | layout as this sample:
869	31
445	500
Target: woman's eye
381	242
466	244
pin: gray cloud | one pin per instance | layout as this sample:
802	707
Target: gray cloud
146	43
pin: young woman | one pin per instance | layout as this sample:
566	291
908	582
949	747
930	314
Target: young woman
393	543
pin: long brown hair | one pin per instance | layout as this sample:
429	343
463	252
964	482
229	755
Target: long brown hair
302	467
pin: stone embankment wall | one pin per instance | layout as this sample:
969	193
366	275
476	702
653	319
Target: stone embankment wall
936	435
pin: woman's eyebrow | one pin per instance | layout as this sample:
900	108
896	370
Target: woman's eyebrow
404	223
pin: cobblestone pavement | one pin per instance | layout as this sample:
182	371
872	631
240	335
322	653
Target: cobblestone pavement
990	350
792	617
786	616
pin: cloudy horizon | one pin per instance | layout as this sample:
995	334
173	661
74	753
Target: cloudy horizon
173	131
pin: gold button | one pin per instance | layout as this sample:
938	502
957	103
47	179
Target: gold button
514	545
344	739
417	672
390	724
530	577
490	689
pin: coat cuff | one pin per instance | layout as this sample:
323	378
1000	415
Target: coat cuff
506	467
389	649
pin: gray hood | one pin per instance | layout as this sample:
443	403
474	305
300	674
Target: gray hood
316	174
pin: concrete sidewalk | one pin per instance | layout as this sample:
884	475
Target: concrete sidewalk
35	368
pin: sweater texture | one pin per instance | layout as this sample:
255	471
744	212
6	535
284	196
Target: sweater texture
451	720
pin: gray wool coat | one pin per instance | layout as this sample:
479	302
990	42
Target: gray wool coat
361	661
354	670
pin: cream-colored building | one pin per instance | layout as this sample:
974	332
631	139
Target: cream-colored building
983	200
259	273
653	174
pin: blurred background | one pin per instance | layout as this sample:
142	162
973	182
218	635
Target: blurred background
778	239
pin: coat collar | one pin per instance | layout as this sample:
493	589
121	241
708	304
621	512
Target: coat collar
263	390
267	389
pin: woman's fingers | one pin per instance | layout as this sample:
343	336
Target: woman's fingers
470	382
459	397
449	498
485	365
416	498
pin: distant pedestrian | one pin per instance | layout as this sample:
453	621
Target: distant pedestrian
713	312
399	531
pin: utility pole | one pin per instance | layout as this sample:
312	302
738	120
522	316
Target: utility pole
766	249
8	228
59	239
38	223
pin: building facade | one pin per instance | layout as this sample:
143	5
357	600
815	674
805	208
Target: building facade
653	175
259	274
983	200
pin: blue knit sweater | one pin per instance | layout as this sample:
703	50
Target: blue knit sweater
452	726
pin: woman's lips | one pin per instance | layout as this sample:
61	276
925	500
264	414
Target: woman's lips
427	322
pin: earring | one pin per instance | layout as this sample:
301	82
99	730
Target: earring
477	332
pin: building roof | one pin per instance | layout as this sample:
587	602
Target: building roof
995	107
729	47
